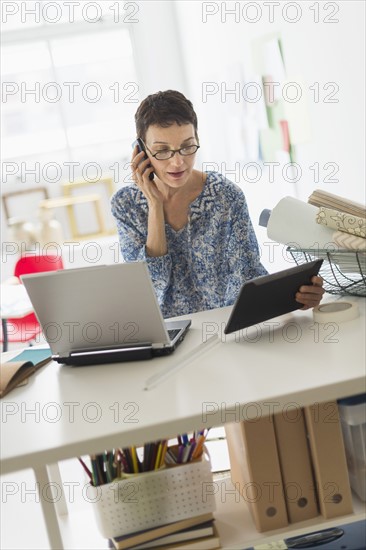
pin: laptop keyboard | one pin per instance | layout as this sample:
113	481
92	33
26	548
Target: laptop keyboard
173	333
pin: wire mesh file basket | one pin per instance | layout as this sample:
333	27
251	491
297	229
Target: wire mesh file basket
343	271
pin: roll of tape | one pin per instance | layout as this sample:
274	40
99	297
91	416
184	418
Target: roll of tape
335	312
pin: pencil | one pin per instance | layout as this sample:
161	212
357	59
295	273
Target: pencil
158	456
96	480
88	472
106	465
128	458
145	463
198	450
163	453
154	451
134	460
100	463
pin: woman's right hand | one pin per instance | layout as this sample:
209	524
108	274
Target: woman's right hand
141	169
156	244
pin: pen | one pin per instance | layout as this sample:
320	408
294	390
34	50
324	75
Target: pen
180	454
191	450
186	359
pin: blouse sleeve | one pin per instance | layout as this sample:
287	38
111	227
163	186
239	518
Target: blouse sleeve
242	252
132	233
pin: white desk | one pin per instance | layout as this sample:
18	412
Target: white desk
288	359
15	304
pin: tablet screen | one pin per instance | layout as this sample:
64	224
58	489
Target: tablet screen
270	295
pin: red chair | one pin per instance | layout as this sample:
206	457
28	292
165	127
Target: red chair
27	328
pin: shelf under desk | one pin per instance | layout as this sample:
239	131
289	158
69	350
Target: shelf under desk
65	412
80	532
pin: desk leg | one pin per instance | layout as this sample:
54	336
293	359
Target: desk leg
55	476
49	509
5	334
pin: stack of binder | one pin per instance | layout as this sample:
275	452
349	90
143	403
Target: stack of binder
296	467
329	459
289	465
255	471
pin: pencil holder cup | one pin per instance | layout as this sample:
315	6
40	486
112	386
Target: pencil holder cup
155	498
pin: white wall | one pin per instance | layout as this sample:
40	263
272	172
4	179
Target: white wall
180	45
220	51
158	54
218	48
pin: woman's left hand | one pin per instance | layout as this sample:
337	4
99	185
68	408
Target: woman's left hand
311	295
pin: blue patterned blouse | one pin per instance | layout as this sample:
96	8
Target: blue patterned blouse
208	260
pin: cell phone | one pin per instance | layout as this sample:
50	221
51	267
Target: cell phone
141	147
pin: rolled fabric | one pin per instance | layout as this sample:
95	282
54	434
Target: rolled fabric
293	222
345	240
342	221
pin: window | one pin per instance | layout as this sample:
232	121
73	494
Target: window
69	93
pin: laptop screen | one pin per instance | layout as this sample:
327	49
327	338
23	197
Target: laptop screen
99	306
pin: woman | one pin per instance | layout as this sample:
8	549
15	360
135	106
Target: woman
191	227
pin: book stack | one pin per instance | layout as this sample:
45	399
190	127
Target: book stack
290	465
347	218
198	533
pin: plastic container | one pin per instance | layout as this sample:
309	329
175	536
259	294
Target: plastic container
352	413
150	499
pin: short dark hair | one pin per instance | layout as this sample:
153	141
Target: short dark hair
164	109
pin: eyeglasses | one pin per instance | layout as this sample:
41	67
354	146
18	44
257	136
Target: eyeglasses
169	153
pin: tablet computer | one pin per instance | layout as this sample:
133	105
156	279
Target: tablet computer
270	296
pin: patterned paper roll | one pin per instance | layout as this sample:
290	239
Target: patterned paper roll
293	222
345	240
342	221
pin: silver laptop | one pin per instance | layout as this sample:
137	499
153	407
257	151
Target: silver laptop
102	314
